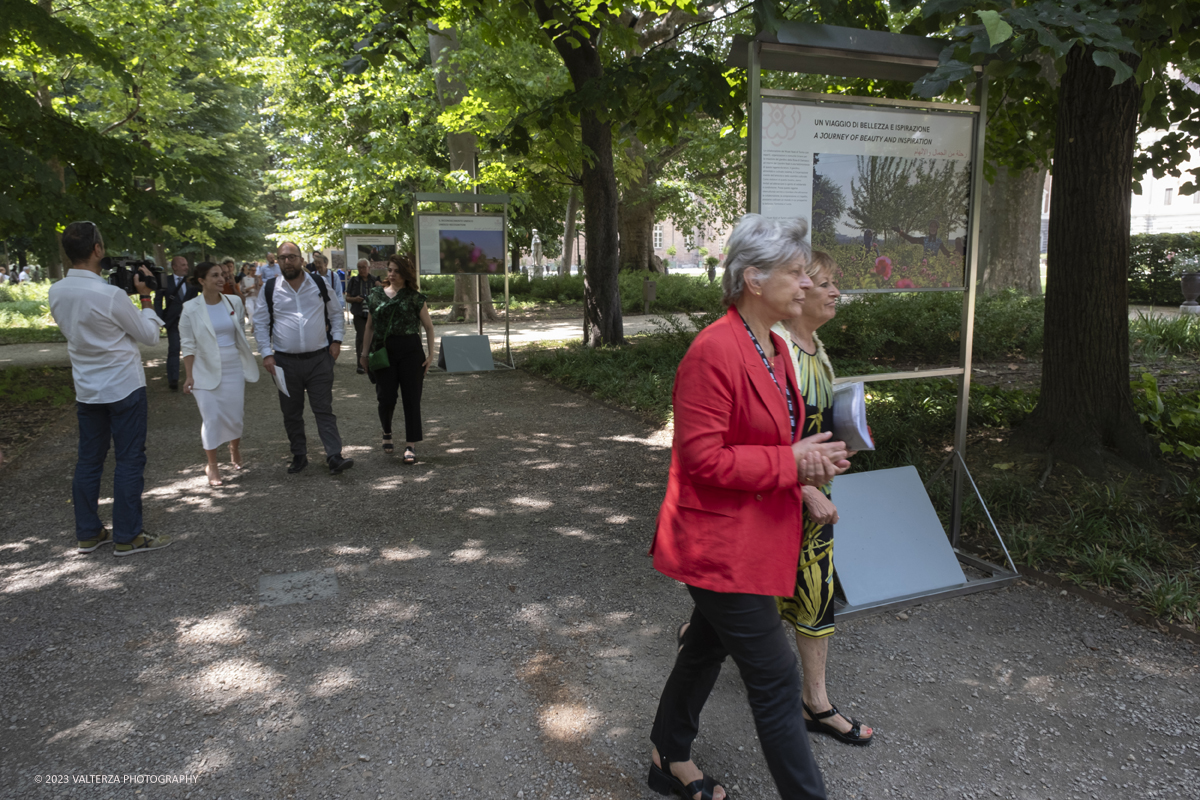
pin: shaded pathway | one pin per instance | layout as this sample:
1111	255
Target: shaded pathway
486	624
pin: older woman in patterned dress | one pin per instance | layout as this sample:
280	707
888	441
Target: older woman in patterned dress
810	608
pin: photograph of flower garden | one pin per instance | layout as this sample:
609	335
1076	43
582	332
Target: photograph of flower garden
889	222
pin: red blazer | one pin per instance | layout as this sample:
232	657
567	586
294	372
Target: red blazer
731	520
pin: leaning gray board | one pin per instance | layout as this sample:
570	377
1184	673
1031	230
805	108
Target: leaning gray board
469	353
889	542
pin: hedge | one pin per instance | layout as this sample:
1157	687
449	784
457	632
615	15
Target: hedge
1153	266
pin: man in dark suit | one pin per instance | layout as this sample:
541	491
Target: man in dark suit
168	304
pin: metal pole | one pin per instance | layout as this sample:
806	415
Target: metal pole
754	151
479	304
967	331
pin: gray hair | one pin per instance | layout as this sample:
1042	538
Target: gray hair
362	262
762	243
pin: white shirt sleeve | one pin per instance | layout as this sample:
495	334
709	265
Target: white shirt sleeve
337	321
141	326
262	324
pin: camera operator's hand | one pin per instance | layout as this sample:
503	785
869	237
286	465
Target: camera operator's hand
139	284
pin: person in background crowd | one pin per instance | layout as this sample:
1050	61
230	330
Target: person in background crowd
218	362
173	292
299	326
360	285
321	267
103	332
270	270
25	276
810	608
229	270
396	314
731	522
250	284
3	276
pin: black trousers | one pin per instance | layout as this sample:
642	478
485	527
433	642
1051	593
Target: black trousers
747	627
360	328
406	377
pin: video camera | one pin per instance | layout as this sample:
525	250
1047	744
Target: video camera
121	273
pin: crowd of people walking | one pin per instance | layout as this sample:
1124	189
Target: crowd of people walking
747	520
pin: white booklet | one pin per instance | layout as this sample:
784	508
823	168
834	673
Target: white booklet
850	416
280	381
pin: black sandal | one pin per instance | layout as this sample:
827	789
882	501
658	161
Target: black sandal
663	781
388	447
410	456
815	725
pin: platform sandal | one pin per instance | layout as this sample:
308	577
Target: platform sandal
388	447
663	781
815	725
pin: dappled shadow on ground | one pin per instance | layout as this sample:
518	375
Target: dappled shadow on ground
482	624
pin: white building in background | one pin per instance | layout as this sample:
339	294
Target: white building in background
1159	208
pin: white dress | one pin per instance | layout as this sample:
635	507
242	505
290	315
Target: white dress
222	409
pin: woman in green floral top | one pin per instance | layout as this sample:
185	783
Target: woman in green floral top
396	313
810	609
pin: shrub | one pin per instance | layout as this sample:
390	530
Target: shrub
1154	259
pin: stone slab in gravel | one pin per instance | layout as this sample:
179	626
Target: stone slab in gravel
497	631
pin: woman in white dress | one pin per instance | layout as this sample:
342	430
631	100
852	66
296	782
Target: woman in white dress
218	361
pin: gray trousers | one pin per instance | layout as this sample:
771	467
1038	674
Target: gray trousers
313	374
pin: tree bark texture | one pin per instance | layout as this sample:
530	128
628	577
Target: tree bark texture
635	214
602	321
462	147
564	268
1010	240
1086	408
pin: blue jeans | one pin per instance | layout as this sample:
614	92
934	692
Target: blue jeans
173	348
125	423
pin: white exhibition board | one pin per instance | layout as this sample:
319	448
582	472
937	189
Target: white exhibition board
889	542
461	244
886	190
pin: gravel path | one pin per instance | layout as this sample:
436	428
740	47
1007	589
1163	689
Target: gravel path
486	624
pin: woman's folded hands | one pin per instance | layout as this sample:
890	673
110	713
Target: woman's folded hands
818	460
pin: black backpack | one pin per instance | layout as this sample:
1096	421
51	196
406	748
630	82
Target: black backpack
269	296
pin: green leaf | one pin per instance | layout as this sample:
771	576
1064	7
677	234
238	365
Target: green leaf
1122	71
998	30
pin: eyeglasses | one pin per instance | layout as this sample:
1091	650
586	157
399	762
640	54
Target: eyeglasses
291	258
95	232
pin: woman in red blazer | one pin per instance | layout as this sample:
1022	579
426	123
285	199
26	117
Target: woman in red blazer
730	525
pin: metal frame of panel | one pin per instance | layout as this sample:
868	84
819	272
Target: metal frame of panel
845	52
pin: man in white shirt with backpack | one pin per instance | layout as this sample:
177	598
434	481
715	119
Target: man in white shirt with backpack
298	325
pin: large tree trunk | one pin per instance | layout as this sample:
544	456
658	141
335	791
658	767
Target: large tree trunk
462	146
1086	408
602	323
564	268
636	216
1010	241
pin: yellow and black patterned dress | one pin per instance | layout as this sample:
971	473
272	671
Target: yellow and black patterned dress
810	608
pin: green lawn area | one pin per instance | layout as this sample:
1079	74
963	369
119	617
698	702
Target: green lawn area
1136	536
25	315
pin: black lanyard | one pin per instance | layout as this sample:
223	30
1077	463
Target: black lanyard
784	390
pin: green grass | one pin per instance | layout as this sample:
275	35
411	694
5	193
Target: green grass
1154	336
27	386
675	293
1130	539
25	315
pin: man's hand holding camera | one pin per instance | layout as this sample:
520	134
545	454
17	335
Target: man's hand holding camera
144	287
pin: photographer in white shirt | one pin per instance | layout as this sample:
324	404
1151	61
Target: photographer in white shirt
103	330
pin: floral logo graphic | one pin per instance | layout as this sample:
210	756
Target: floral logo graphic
780	123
